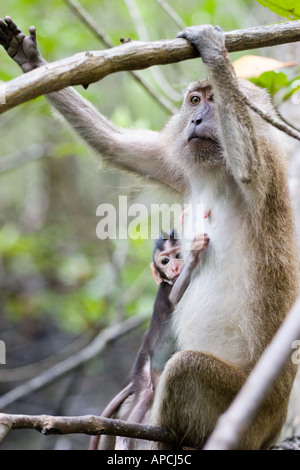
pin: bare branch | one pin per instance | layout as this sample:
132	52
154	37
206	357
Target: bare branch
88	20
233	424
89	67
89	424
89	352
5	427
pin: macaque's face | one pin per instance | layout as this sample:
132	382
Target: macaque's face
201	134
169	261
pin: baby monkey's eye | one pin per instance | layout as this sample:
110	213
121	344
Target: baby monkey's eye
165	261
178	255
194	100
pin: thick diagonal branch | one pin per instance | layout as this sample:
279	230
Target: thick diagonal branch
89	424
89	67
233	424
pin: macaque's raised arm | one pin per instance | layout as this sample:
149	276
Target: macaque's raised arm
237	128
142	152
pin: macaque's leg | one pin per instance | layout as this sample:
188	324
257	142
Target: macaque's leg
136	416
109	410
194	390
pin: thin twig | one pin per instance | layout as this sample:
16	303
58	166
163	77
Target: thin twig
272	120
172	14
89	352
88	20
89	67
234	423
141	28
282	118
34	152
89	424
31	370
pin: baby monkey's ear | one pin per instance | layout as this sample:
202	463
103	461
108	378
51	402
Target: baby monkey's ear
156	276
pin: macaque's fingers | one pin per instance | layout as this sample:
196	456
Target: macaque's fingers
5	34
219	29
12	25
122	443
209	41
21	48
199	245
32	32
199	241
4	29
202	34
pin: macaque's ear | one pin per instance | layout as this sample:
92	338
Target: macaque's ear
155	274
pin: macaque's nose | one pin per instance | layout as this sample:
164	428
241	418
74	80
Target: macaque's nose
196	123
175	266
197	120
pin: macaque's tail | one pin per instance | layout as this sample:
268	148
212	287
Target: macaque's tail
108	411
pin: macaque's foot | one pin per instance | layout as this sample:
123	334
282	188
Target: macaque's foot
21	48
208	40
122	443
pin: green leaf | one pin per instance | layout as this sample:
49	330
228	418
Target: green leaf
288	8
273	81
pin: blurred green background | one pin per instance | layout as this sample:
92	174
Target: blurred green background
57	280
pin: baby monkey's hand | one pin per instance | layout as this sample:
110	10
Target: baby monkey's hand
198	245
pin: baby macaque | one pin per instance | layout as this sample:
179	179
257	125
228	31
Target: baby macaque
172	275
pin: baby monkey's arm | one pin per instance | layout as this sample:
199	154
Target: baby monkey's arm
199	244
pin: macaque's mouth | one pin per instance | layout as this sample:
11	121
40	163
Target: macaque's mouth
201	138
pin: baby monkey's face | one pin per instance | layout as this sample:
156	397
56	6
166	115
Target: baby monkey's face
169	261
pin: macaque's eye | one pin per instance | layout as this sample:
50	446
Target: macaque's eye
178	256
194	100
165	261
211	97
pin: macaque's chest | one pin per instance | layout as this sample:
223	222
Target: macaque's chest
210	316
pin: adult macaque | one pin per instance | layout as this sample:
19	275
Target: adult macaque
226	157
172	276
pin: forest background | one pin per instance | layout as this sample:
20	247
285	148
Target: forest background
60	286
